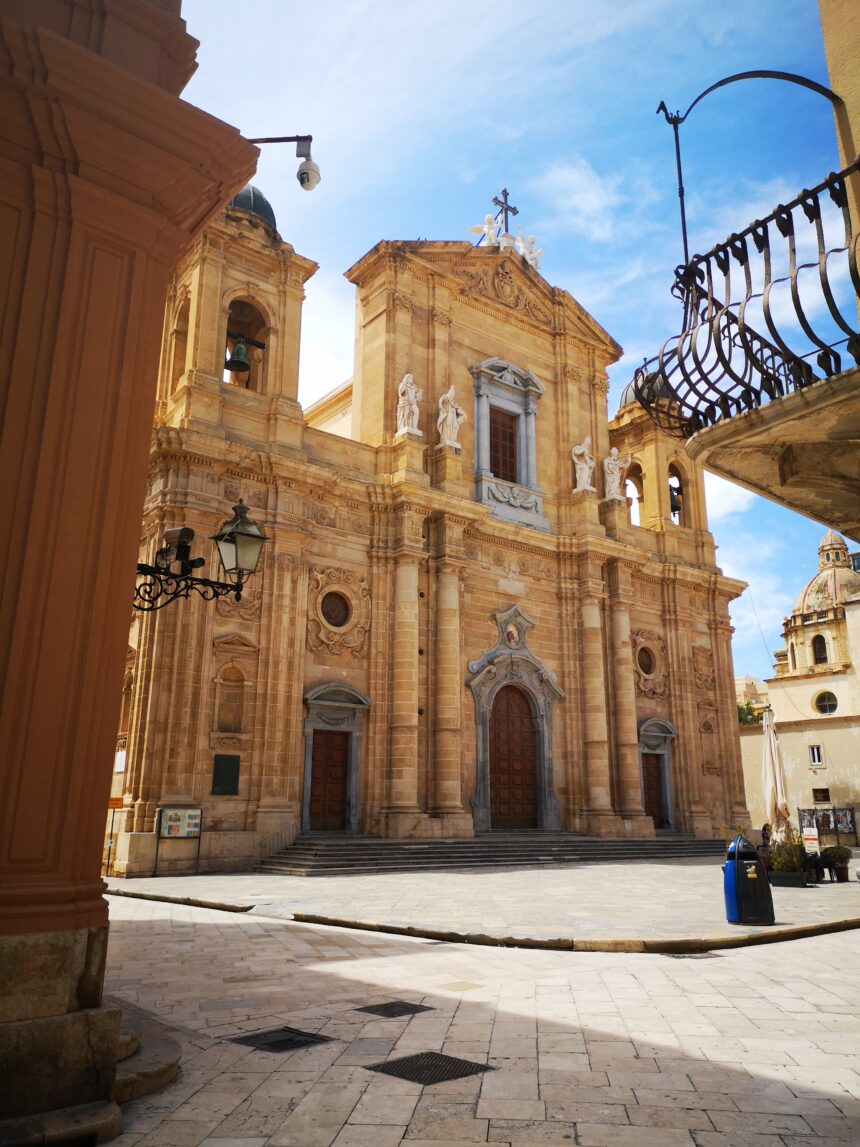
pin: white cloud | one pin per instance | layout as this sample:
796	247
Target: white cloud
725	498
328	322
578	200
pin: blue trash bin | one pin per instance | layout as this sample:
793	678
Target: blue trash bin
746	886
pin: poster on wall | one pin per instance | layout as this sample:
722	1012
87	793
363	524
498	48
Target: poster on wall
180	823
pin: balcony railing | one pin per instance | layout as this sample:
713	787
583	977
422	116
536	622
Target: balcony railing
759	310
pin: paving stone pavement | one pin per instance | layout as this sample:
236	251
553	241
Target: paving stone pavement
754	1047
651	900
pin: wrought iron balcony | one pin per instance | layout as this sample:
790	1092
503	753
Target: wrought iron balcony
771	310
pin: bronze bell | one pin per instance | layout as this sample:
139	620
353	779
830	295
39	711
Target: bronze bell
676	500
238	360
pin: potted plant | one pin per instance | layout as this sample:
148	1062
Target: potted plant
838	856
787	856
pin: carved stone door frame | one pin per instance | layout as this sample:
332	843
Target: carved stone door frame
338	707
655	738
511	662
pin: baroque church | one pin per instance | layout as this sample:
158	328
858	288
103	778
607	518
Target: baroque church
484	605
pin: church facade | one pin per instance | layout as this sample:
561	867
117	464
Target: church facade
456	626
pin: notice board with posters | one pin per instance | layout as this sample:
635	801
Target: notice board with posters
180	823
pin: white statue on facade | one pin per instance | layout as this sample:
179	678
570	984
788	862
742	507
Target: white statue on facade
451	417
529	250
408	397
489	229
614	469
583	462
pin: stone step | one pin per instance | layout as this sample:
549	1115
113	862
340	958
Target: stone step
321	855
128	1041
152	1066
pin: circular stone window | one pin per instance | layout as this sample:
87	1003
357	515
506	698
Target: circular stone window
336	610
645	660
825	703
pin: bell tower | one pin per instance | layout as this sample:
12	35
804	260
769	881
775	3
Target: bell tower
230	352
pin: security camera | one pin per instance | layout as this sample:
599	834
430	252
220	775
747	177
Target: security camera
308	174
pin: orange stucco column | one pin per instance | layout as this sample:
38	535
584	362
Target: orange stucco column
106	176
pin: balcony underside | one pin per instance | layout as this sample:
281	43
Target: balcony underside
802	451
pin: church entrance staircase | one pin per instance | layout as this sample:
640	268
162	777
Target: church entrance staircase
319	854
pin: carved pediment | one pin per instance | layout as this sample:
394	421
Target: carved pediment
502	281
234	645
506	374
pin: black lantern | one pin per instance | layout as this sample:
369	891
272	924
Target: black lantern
240	543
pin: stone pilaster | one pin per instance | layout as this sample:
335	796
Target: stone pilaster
87	244
448	738
599	813
403	811
626	735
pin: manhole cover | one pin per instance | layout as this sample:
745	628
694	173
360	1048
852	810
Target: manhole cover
394	1009
280	1039
430	1067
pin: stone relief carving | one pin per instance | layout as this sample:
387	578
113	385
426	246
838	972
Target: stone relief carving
248	608
600	383
351	636
514	496
451	417
403	302
408	397
650	664
614	469
583	462
441	318
703	666
503	288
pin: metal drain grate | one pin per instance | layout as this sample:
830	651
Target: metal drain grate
394	1009
280	1039
430	1067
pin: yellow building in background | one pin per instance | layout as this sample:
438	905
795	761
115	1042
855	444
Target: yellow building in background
814	693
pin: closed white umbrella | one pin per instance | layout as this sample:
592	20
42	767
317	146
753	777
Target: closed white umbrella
773	784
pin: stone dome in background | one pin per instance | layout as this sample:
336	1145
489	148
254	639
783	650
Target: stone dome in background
252	200
835	581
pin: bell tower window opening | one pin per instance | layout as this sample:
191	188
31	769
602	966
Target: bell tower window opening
245	343
634	490
677	509
819	650
503	444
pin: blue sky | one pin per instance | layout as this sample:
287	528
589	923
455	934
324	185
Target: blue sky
420	113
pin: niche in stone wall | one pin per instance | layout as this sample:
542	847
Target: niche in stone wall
233	692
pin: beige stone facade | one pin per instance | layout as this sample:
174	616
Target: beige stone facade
814	693
441	639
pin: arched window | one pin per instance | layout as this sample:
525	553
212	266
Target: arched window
122	732
179	349
230	701
792	653
819	650
677	497
635	492
245	343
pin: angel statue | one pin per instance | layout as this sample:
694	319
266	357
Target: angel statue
583	462
451	415
408	397
489	229
614	469
529	250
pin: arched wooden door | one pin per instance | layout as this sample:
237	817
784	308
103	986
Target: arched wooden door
328	780
513	762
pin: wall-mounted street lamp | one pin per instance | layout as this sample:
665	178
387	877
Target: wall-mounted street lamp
308	174
240	543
